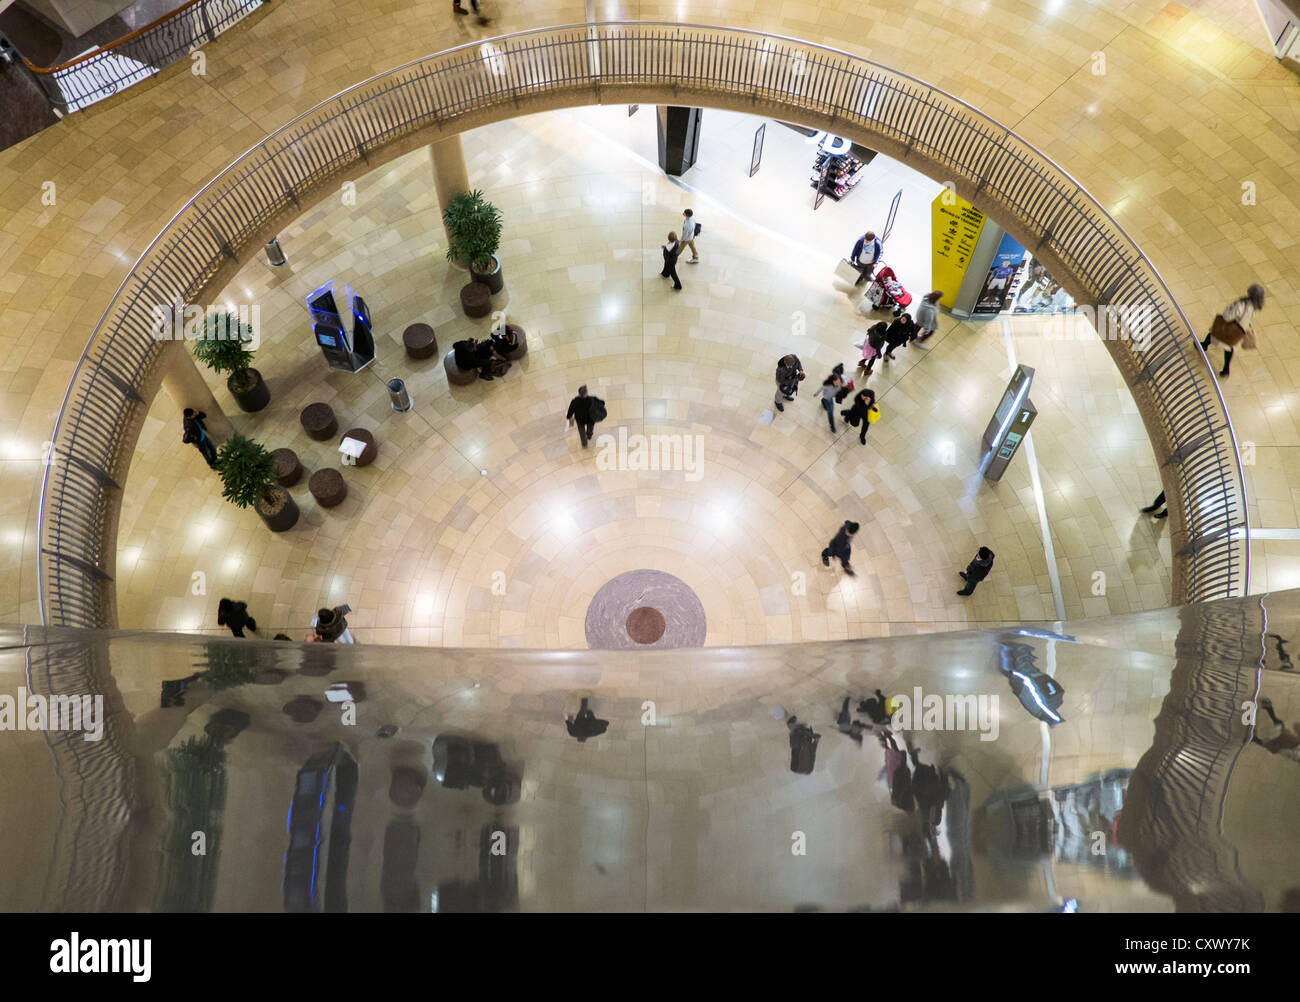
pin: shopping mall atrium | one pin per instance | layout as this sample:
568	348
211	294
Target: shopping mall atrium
438	477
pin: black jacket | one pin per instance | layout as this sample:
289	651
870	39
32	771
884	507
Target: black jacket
842	545
876	335
580	409
900	332
671	251
977	569
194	430
787	376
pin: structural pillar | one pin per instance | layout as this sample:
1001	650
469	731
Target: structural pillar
679	137
449	175
184	383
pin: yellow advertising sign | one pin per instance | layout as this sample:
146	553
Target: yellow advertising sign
956	226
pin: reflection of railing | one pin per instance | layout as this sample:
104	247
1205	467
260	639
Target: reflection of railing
514	74
82	81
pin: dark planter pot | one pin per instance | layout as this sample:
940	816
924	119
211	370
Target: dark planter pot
254	399
493	279
284	519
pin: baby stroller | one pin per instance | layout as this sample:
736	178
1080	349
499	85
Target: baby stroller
886	292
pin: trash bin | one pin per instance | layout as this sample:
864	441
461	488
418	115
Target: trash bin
397	394
273	252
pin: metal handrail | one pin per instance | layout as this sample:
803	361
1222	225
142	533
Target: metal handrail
88	78
500	78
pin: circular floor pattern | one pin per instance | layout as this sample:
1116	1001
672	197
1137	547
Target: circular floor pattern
645	608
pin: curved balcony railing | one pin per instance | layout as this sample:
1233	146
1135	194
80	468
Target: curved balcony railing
460	88
91	77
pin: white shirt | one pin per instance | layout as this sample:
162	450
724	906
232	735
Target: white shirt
688	229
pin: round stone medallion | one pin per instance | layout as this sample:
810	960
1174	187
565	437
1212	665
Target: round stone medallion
645	608
645	625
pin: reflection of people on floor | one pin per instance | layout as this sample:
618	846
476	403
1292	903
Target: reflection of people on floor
586	724
1282	655
1274	735
173	691
877	708
846	723
803	746
897	775
930	787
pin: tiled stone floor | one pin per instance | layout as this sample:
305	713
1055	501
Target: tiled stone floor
1189	108
426	549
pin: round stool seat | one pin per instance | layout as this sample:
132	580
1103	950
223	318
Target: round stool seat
455	374
361	435
476	299
522	349
327	487
288	469
319	422
420	341
302	709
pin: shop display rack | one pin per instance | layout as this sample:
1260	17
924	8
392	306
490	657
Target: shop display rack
842	175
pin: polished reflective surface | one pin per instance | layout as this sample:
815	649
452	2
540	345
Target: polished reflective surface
1112	762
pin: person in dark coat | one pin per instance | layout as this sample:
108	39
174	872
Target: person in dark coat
873	347
235	615
1157	508
977	570
671	250
860	413
580	413
901	332
586	724
331	624
197	435
841	547
897	775
789	371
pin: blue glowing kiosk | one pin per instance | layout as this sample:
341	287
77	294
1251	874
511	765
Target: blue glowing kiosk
352	351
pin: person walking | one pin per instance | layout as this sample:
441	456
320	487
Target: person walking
1158	506
927	314
874	346
585	411
586	724
841	547
827	392
671	250
235	615
866	254
690	230
977	570
789	371
864	413
196	434
901	332
331	626
1232	326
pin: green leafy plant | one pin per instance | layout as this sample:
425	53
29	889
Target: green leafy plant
230	664
247	472
223	349
474	225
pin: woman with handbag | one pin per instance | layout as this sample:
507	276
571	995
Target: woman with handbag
1232	326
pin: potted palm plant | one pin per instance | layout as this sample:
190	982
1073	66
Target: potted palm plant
223	349
248	474
474	225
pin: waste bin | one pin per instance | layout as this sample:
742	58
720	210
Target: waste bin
273	252
397	394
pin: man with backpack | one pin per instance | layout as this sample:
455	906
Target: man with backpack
586	411
690	230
